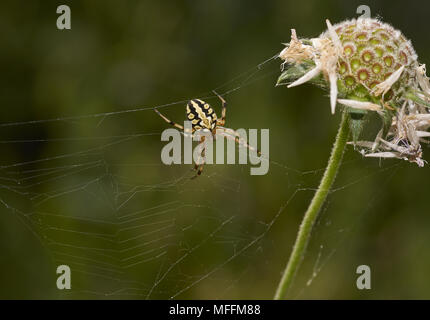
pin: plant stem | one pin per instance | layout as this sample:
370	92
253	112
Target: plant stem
314	208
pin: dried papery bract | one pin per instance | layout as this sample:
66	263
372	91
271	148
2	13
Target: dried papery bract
368	67
296	51
325	54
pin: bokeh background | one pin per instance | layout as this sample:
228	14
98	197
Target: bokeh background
91	192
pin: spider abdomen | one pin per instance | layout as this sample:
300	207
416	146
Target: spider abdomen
201	115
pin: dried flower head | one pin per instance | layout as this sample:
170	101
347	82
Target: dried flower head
368	66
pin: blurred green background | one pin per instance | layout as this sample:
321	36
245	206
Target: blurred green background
92	193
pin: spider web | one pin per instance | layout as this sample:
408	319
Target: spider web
140	229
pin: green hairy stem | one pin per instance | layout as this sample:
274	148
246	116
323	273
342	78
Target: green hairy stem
314	208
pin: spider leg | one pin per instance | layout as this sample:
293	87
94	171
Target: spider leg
227	131
169	121
233	135
199	167
199	170
221	121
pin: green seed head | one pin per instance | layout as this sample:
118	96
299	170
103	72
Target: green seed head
372	51
368	66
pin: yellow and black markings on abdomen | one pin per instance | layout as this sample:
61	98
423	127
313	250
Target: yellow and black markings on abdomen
201	115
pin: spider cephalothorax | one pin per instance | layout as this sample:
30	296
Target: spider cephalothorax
201	115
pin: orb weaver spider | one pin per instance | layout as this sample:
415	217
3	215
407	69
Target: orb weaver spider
203	117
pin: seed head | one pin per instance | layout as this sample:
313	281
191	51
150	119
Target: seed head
370	67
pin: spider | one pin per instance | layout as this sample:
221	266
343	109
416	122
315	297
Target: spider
203	117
